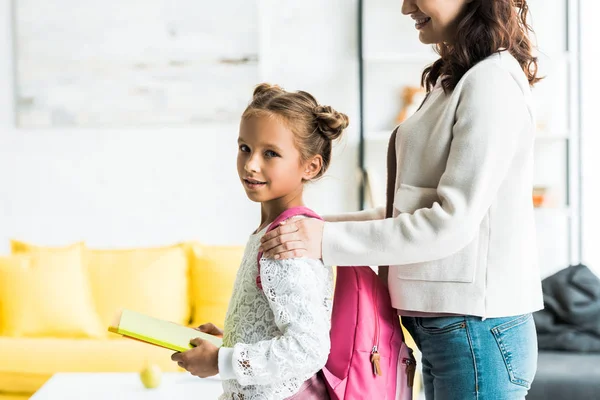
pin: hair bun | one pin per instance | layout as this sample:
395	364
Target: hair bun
266	89
331	123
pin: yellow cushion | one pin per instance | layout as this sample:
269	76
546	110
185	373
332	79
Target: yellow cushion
26	363
213	272
21	382
10	396
152	281
45	292
19	247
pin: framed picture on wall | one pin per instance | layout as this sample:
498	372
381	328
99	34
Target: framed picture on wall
84	63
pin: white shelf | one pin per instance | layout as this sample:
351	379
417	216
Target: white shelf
565	56
545	212
552	137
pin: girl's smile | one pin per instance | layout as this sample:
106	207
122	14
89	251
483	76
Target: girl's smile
253	184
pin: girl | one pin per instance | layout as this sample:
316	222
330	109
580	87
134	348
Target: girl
276	339
461	243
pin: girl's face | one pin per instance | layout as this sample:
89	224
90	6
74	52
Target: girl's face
436	20
268	163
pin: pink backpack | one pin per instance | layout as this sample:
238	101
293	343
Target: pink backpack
368	355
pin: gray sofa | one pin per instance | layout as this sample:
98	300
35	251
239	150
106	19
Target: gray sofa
566	376
568	331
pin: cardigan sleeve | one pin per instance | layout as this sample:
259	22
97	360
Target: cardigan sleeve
365	215
491	116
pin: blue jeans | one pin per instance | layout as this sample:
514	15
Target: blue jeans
469	358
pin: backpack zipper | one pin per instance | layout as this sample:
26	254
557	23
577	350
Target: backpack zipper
375	358
411	367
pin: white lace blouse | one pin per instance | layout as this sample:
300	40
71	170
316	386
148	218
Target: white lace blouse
278	337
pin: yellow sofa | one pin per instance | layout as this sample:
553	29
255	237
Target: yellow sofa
56	304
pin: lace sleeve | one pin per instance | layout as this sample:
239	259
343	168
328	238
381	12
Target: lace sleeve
299	293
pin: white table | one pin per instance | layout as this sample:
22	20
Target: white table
127	386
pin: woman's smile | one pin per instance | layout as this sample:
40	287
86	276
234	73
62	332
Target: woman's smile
421	22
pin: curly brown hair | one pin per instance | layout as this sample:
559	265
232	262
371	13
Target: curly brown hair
486	27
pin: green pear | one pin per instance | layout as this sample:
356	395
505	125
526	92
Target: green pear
150	376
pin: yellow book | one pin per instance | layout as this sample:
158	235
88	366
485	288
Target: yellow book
159	332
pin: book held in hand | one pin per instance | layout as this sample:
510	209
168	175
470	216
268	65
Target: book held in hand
158	332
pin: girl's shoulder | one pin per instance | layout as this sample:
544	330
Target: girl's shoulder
298	272
290	219
296	218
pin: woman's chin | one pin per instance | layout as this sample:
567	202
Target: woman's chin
425	38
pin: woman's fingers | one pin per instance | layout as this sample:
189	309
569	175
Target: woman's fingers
291	249
280	230
268	246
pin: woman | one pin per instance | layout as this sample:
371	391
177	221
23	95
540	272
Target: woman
461	243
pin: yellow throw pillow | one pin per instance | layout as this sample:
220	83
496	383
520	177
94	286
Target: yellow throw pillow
45	292
152	281
18	247
212	275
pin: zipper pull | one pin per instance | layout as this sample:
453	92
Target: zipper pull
375	360
411	368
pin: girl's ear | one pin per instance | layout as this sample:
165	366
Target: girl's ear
312	167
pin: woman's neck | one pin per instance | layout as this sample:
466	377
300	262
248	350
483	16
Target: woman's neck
271	209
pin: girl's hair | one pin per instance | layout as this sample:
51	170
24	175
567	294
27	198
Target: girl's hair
315	127
486	27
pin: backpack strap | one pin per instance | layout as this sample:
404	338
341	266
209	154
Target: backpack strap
287	214
390	191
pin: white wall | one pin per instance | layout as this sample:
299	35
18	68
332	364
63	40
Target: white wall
130	187
127	187
590	9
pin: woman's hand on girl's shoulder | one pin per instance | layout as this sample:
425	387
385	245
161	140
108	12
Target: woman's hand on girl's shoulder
294	239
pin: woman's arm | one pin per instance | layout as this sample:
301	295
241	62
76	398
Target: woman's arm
292	244
490	117
296	291
364	215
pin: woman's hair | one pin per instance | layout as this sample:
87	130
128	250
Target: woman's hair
486	27
315	127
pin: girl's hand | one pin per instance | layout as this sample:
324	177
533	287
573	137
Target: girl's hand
293	239
201	361
211	329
